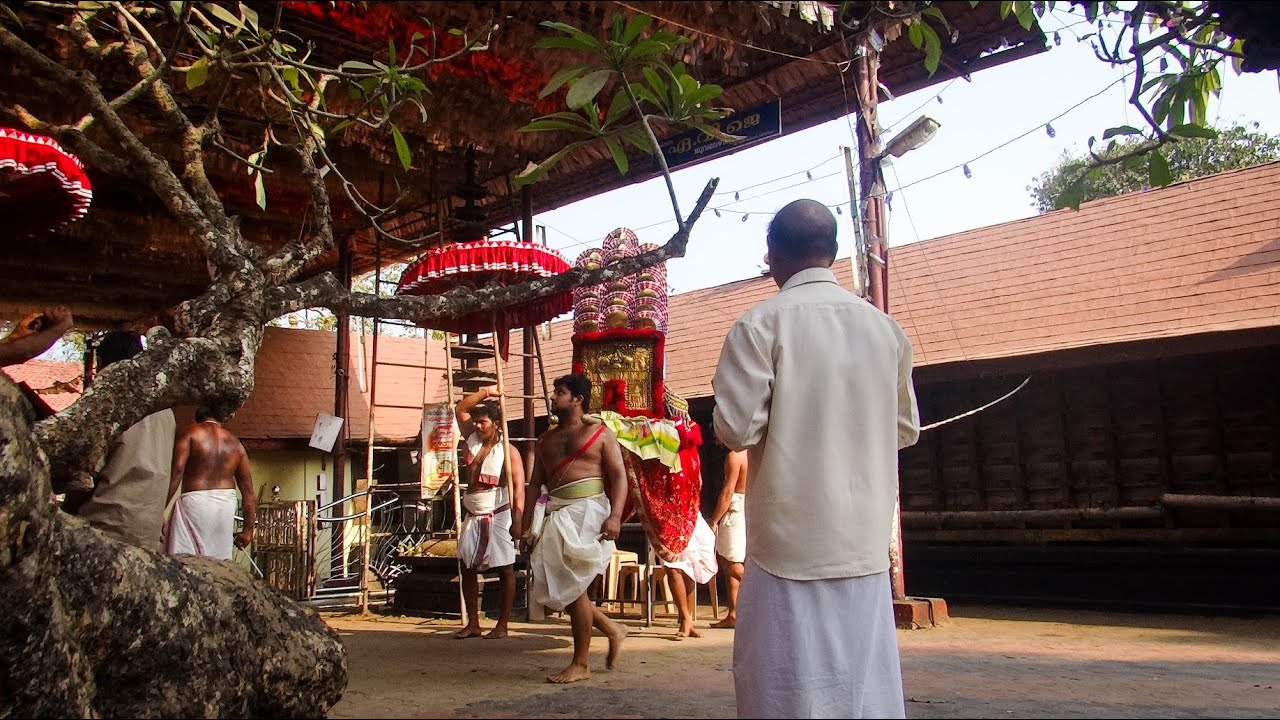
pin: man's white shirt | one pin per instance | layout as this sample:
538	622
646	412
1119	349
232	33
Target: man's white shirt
816	383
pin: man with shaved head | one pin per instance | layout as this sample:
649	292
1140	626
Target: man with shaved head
815	383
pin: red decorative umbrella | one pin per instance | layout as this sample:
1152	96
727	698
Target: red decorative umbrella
482	262
42	187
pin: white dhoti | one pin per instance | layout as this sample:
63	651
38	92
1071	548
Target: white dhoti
570	554
485	541
203	523
816	648
698	560
731	535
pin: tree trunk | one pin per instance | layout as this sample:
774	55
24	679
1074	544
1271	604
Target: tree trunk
96	628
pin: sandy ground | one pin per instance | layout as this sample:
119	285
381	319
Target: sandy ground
988	662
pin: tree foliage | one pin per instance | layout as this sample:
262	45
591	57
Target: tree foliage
1233	148
1175	52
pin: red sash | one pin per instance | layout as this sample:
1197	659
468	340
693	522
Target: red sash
564	464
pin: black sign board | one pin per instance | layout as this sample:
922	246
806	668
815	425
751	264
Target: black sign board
752	125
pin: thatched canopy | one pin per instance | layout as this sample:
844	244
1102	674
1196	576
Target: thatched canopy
127	261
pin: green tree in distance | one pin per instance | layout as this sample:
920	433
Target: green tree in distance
1233	148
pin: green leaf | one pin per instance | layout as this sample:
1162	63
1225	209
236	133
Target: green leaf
197	73
357	65
915	34
585	41
561	77
644	49
260	191
402	147
249	16
1133	163
932	48
175	6
546	124
1158	169
534	171
1072	195
584	89
936	13
643	93
635	26
1191	130
1121	130
455	31
1026	15
1005	7
619	155
563	43
618	107
223	14
703	94
290	76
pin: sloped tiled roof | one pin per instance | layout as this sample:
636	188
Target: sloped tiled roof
57	383
1198	257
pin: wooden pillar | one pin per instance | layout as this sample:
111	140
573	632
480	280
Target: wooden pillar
866	69
526	232
341	404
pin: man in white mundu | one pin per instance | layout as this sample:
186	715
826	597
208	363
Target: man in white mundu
488	536
815	383
577	461
730	525
209	463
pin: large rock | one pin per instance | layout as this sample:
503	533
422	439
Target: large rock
90	627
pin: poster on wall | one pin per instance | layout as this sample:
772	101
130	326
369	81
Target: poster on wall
325	432
439	447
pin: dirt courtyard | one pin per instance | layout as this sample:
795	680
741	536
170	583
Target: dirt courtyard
988	662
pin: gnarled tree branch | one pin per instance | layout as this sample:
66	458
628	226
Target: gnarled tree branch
325	291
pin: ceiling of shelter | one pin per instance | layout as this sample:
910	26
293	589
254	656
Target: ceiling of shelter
127	261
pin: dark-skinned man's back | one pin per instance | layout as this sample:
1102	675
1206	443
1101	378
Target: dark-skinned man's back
209	463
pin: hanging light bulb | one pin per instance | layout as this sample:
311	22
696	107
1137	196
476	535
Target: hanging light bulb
1048	128
967	172
716	211
939	99
745	216
1164	63
839	211
1057	39
808	174
737	196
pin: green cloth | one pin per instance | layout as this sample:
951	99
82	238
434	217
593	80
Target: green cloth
645	437
579	490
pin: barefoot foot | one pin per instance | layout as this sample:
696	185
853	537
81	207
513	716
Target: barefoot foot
688	631
616	635
728	622
573	673
469	631
497	633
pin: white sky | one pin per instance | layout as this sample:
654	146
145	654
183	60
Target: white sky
999	104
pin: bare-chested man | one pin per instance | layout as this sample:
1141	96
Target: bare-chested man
209	463
730	525
577	462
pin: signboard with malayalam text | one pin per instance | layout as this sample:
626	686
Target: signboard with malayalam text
752	125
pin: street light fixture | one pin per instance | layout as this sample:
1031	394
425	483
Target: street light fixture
919	132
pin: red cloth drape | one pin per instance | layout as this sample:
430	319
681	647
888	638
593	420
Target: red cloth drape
482	262
42	187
